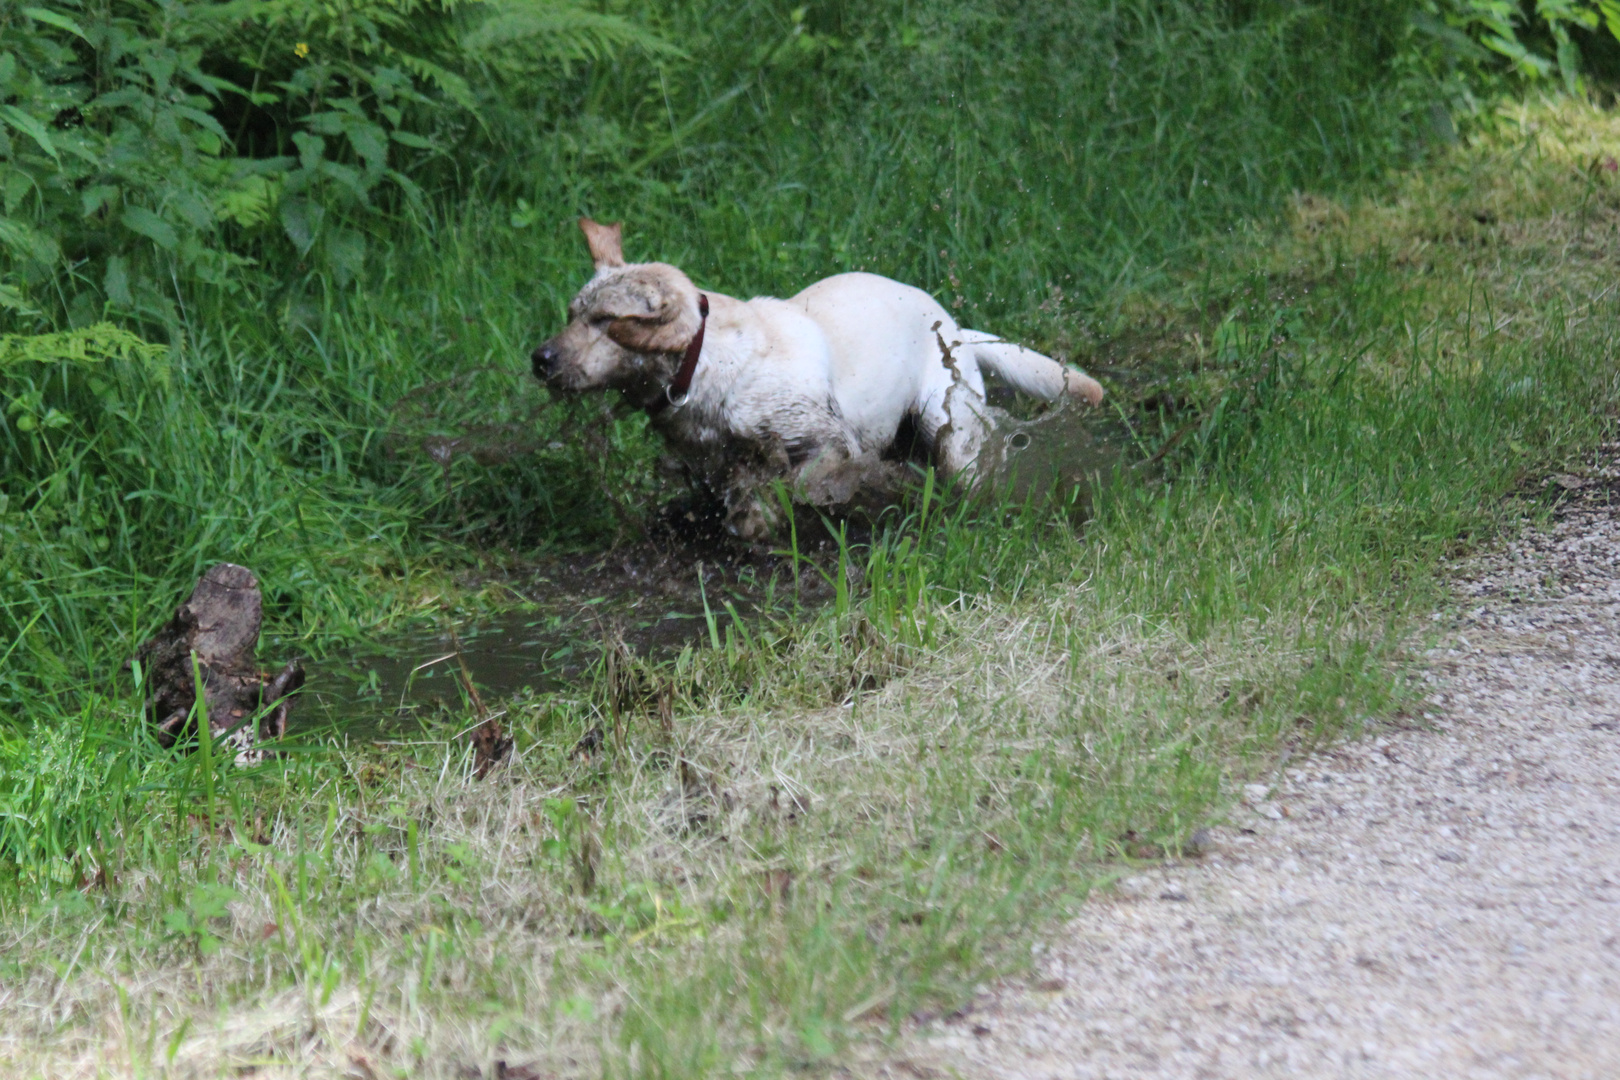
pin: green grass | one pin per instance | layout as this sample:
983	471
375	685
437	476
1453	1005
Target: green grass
1035	165
849	813
854	814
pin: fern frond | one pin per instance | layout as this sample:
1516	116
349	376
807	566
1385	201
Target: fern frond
95	344
452	85
560	30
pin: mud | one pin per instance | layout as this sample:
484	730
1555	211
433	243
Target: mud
660	596
563	612
1071	446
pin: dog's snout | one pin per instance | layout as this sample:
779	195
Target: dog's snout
544	359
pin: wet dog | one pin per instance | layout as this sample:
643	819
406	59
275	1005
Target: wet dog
805	389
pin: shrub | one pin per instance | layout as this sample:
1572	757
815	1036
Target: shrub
148	144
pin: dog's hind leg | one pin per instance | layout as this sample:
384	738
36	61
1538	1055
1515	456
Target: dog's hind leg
1029	371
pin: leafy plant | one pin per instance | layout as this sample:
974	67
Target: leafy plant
194	923
1477	30
144	145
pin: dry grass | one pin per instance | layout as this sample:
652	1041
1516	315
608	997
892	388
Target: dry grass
720	841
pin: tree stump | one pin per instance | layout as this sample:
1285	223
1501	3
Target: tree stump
219	625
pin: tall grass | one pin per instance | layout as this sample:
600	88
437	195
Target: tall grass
1032	164
849	815
1257	599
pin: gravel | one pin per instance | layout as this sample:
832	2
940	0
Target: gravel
1438	899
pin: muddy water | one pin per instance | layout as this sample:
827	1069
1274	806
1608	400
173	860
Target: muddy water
1073	444
652	599
548	641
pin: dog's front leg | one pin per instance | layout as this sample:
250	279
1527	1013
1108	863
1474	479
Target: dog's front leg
956	427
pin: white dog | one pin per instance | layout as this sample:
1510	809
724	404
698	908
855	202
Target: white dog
793	386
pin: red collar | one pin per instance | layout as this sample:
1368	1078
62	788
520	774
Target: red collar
689	361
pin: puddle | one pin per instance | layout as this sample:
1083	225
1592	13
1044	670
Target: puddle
1076	445
546	644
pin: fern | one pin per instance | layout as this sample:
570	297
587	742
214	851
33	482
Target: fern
95	344
559	31
110	115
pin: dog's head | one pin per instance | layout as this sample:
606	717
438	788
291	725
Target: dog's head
627	327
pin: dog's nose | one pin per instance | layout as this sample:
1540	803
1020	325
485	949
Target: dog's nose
544	359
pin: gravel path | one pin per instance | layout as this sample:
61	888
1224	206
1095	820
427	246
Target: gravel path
1442	901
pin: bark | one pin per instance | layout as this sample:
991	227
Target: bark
219	627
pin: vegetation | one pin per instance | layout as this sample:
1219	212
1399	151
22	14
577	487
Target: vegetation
270	273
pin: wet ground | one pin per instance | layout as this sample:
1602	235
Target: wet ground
657	597
1074	445
565	611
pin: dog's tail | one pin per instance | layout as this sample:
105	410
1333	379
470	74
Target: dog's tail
1029	371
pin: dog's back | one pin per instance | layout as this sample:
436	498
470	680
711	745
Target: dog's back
884	356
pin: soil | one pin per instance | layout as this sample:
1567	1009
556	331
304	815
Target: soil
1438	899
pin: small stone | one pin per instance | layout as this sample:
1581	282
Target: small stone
1134	887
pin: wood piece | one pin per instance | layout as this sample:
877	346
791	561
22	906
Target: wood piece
218	629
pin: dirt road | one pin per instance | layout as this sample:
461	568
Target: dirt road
1436	901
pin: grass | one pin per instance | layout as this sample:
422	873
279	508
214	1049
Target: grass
355	446
848	817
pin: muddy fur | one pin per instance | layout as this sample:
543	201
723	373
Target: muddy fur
811	391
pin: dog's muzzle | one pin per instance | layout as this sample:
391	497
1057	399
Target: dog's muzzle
544	360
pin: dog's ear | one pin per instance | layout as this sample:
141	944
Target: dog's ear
605	242
649	314
649	336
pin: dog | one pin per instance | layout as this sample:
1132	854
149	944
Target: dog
802	389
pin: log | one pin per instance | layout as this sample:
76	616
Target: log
219	627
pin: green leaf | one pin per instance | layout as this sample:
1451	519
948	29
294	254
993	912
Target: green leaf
52	18
93	344
453	85
193	209
370	143
1569	64
302	221
28	243
212	901
93	198
115	283
29	126
556	30
346	255
249	201
140	219
1611	16
13	300
311	148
